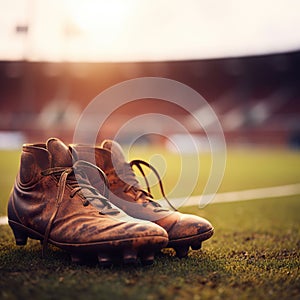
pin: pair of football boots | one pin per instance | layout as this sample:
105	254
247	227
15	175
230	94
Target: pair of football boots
88	201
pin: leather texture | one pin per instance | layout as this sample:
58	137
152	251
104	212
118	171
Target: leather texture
127	194
41	199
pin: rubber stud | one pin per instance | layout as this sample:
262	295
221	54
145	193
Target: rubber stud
76	258
181	251
104	260
148	259
196	245
129	256
20	237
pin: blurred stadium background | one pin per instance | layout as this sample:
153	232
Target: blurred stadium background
56	56
243	57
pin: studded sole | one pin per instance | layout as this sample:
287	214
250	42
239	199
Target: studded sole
182	245
107	252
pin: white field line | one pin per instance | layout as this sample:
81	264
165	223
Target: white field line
261	193
3	220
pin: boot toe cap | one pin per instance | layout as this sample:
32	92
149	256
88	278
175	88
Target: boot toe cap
190	225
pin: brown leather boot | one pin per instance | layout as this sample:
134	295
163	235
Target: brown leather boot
184	230
54	202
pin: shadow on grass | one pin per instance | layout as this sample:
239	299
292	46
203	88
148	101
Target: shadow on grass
257	265
38	278
29	258
14	257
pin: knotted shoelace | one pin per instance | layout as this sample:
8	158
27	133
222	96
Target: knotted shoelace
131	183
81	186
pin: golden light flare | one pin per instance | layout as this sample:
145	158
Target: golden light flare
98	18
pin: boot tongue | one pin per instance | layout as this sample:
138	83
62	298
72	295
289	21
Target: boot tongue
61	156
118	156
119	162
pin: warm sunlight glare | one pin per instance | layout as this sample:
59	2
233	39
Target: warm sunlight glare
100	18
99	23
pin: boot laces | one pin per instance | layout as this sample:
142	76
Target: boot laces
132	184
81	186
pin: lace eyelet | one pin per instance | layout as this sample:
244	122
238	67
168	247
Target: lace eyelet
86	202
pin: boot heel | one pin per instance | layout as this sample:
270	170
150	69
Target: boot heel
20	236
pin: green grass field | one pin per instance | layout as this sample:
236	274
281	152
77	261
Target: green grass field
254	253
245	169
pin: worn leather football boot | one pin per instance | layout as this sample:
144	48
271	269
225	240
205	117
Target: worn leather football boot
54	202
184	230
